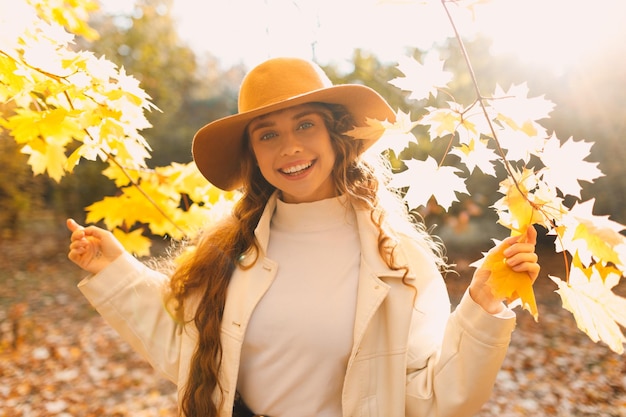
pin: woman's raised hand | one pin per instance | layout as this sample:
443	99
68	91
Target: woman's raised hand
92	248
520	257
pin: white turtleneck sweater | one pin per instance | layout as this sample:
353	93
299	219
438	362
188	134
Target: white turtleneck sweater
297	345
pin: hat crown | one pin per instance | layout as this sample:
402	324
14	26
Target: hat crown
280	79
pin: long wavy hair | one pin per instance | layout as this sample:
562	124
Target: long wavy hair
206	272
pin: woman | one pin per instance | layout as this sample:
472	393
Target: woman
317	297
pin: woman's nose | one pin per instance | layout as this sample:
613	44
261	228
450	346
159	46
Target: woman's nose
290	144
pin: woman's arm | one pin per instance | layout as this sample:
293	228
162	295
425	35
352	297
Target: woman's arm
457	377
128	295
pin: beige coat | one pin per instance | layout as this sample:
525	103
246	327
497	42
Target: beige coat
405	361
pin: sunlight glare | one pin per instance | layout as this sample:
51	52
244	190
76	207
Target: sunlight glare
554	34
12	28
551	34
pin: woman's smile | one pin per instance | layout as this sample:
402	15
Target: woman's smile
295	170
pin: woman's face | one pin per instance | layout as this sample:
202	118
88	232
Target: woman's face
293	150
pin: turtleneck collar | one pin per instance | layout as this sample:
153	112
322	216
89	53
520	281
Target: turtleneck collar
314	216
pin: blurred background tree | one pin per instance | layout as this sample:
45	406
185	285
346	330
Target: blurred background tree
591	104
20	192
147	45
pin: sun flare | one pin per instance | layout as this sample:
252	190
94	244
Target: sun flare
556	34
552	34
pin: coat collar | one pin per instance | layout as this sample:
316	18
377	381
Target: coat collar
368	235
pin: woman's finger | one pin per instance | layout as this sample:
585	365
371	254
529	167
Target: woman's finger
518	248
531	234
531	268
522	258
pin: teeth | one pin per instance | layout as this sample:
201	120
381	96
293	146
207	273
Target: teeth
297	168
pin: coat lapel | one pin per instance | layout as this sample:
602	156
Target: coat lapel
372	289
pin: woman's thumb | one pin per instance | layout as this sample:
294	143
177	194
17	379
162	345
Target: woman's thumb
72	225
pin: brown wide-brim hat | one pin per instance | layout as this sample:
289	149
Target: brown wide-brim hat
273	85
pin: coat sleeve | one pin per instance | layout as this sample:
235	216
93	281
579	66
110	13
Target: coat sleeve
453	359
129	296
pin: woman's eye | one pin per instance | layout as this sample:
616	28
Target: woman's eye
305	125
267	136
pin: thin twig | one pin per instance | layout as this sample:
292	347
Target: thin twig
480	98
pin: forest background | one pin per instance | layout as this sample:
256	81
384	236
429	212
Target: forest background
43	318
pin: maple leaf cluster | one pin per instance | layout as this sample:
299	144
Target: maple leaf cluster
502	132
67	106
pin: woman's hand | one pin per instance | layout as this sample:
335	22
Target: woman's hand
520	256
92	248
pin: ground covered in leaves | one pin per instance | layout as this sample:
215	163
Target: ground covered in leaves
58	358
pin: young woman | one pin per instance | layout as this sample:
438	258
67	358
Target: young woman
317	296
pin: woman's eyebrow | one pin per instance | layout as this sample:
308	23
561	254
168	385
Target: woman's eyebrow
304	113
261	123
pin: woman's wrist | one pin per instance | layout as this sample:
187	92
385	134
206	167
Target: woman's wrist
484	298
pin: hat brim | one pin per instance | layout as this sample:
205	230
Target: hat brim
218	146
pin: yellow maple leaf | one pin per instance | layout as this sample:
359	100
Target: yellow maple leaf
517	110
519	207
421	79
394	135
598	311
444	122
521	212
110	209
72	14
475	154
119	176
372	130
604	270
134	242
601	241
46	158
509	284
596	239
186	179
13	83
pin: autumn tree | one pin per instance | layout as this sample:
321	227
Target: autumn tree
147	44
144	43
20	192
